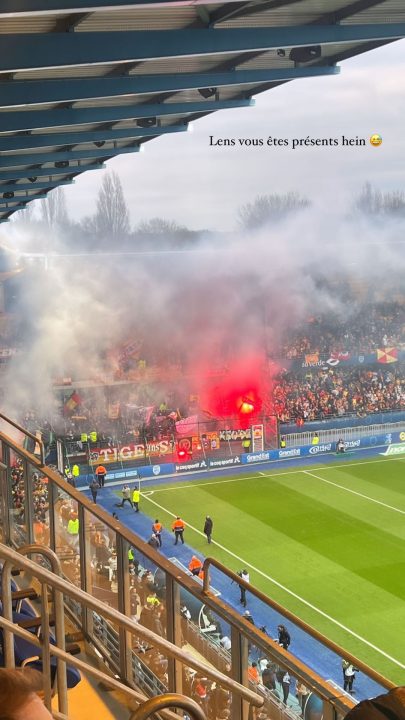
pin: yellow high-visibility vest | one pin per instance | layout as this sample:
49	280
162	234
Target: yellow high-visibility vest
73	527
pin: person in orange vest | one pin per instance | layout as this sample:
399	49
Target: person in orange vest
157	528
101	472
178	528
253	674
195	565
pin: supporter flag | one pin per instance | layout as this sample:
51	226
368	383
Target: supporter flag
188	426
113	410
312	359
387	356
345	355
72	402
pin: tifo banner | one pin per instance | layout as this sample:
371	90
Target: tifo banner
236	434
385	356
388	355
126	453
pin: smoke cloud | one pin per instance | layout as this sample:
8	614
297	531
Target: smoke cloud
224	305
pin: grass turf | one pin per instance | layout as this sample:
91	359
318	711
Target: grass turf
343	552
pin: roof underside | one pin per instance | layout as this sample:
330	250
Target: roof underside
85	81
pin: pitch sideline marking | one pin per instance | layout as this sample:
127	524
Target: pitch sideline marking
355	492
263	474
289	592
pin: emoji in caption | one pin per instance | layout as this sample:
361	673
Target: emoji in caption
376	140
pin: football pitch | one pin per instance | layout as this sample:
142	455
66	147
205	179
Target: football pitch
328	543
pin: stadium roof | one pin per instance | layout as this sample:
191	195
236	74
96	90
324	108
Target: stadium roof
83	81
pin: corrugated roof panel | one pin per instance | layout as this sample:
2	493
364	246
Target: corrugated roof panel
139	19
179	65
120	101
23	24
391	11
65	72
29	108
268	60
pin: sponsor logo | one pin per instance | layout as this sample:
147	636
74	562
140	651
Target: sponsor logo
320	449
225	462
402	436
361	359
156	469
198	465
352	443
292	452
395	450
388	439
258	457
333	361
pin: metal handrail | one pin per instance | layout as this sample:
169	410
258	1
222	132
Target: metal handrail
242	627
13	558
160	702
28	434
212	562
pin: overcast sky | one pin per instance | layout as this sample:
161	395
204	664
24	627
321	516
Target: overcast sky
182	178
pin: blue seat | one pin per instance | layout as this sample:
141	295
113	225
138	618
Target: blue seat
24	650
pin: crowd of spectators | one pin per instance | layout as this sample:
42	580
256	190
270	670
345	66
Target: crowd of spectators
362	331
39	491
323	394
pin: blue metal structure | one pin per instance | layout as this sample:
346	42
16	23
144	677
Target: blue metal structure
83	81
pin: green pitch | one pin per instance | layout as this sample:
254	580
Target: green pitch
326	542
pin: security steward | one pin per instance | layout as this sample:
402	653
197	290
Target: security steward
136	496
101	472
195	565
178	528
157	528
283	442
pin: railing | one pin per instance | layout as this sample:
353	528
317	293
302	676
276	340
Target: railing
13	559
348	433
117	629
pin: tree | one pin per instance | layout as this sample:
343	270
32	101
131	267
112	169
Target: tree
53	209
374	202
111	221
159	226
25	216
270	209
164	234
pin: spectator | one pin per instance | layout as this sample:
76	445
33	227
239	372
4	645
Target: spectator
208	526
391	705
269	676
19	699
284	638
285	684
154	542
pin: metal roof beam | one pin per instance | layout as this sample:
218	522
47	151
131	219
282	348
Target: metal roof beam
27	92
31	7
49	172
34	51
17	202
60	156
15	120
25	187
26	142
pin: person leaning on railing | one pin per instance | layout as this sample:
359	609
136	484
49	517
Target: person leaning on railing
19	695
